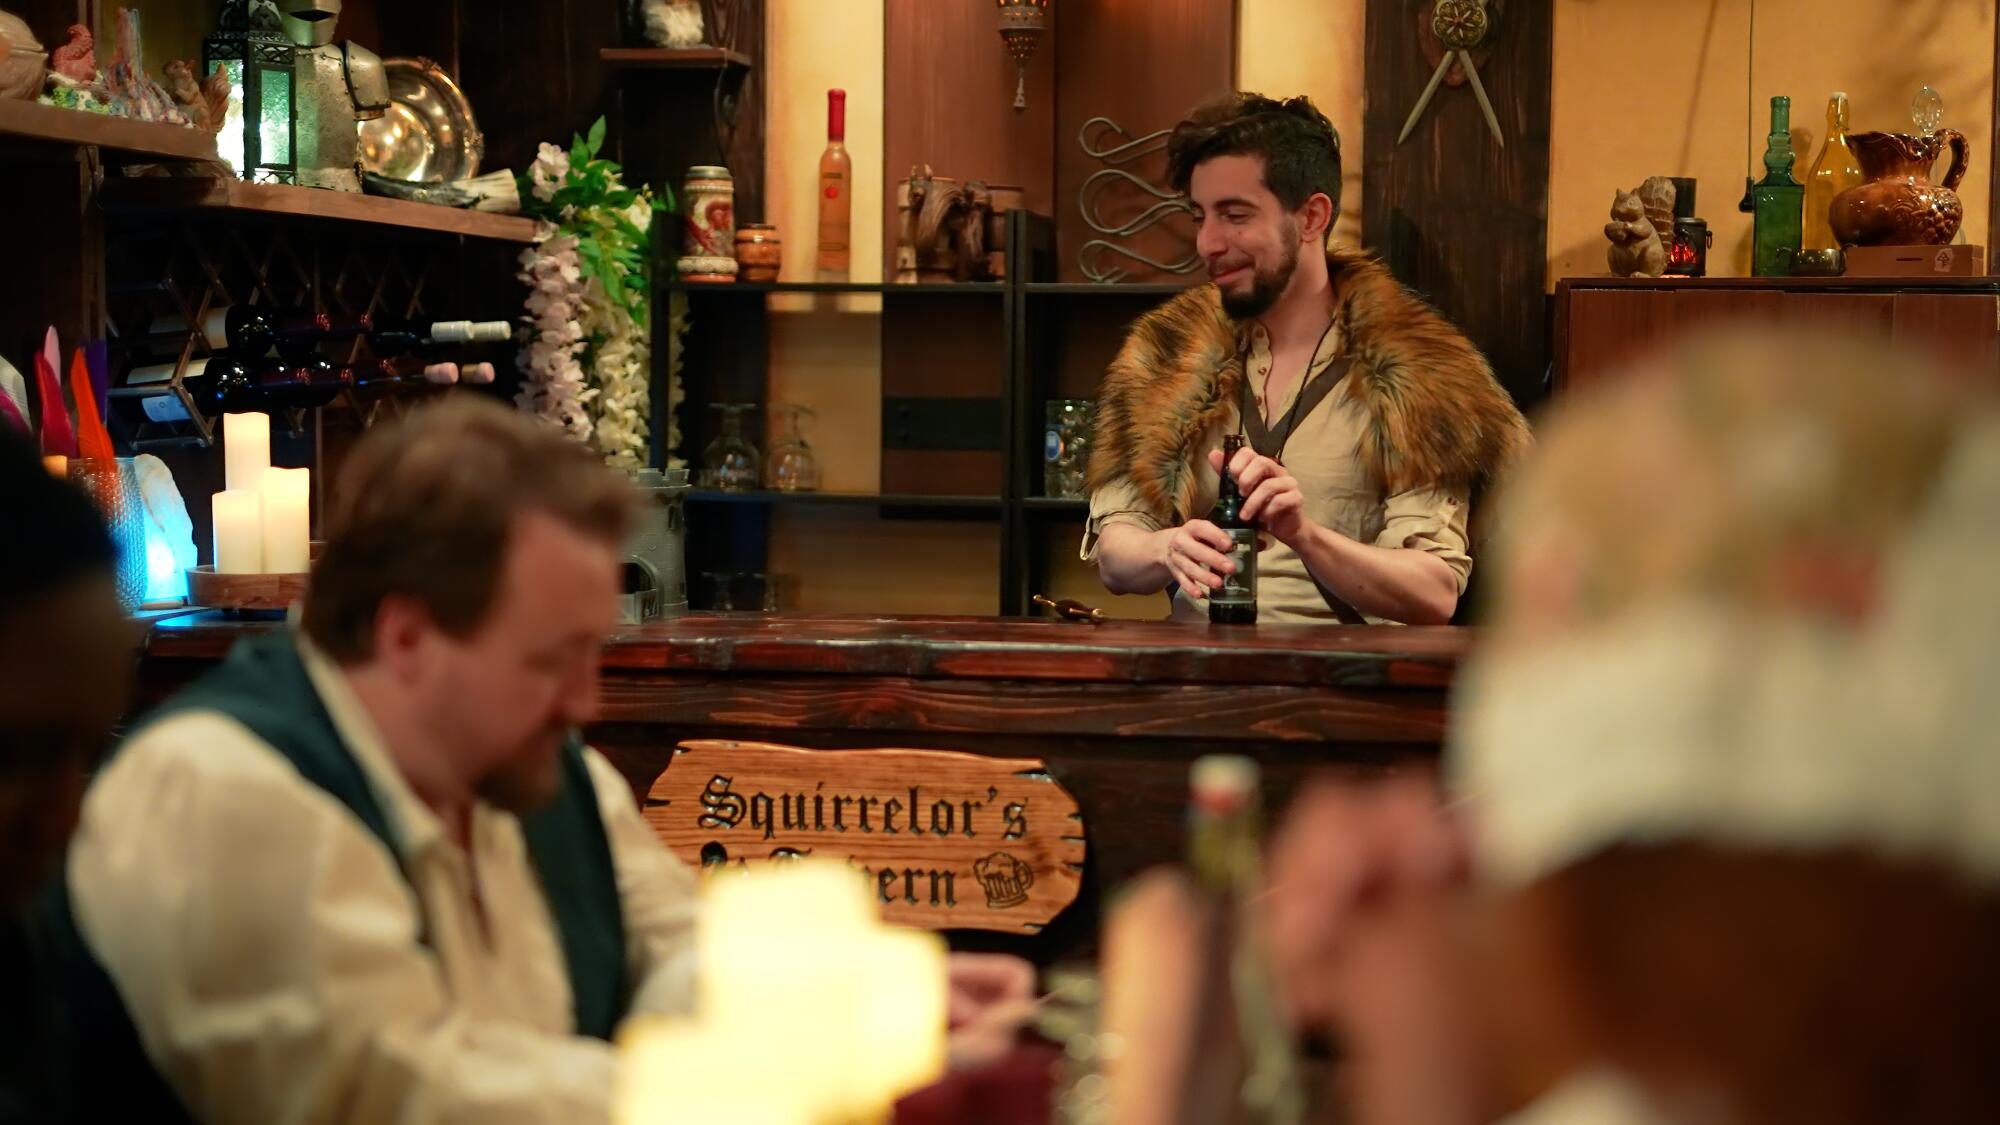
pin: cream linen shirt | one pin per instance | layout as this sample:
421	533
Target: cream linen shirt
268	948
1323	454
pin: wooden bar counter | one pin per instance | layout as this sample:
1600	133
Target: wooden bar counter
1116	711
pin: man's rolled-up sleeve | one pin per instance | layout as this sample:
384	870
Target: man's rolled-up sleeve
1114	503
1431	520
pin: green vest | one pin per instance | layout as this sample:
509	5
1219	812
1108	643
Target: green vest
263	685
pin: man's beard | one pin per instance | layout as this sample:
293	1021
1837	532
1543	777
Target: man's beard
527	782
1265	287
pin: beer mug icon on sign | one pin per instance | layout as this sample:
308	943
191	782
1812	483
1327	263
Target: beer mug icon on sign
1004	879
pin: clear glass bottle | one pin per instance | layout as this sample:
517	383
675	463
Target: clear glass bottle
836	192
1834	170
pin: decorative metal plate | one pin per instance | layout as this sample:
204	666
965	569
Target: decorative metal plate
428	134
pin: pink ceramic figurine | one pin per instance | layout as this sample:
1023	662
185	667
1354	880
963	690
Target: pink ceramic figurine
76	60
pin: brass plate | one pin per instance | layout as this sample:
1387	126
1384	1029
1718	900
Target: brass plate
428	133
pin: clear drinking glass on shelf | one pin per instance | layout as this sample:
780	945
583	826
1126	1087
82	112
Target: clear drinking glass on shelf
794	465
1066	446
721	589
771	593
731	462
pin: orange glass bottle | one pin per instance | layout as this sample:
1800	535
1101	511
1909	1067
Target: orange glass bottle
836	192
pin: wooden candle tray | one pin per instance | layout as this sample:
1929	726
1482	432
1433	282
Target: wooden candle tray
244	591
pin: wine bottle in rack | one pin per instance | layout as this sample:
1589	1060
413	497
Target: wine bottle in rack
440	345
245	330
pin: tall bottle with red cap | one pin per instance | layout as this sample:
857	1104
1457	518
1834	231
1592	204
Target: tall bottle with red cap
836	192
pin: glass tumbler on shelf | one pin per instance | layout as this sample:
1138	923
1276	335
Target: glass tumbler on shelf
1066	446
721	590
730	462
794	466
112	483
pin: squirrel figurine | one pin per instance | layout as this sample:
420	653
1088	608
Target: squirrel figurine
1635	243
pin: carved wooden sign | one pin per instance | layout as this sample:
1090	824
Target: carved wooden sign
948	840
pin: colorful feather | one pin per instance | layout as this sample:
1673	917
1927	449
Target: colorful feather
14	397
91	436
58	436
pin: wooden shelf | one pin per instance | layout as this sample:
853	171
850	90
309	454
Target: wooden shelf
1058	505
865	499
176	193
956	288
118	134
665	58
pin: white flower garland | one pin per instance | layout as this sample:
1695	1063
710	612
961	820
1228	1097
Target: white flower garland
587	352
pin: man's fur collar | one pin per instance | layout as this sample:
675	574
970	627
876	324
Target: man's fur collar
1437	417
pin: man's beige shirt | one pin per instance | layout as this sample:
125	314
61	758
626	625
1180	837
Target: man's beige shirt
1323	454
268	947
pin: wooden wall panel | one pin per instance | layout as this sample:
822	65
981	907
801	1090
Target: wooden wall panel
1143	66
1458	218
949	92
942	348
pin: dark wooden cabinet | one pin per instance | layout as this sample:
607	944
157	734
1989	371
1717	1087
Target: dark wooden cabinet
1606	323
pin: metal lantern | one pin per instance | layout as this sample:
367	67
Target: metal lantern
249	43
1022	24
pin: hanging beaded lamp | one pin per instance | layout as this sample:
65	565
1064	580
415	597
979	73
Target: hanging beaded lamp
1022	25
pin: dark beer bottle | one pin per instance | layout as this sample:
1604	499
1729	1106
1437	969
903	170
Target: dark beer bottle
1236	602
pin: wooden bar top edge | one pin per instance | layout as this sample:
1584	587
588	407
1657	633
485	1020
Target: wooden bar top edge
975	648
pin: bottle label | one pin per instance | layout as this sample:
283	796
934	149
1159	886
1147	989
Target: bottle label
164	409
1052	445
833	221
1240	587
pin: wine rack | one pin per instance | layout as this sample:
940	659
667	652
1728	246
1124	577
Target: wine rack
184	265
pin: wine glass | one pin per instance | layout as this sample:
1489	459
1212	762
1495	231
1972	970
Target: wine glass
794	466
730	462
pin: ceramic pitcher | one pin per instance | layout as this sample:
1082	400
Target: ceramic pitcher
1898	205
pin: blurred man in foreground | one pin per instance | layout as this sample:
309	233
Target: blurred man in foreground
367	872
1725	833
65	669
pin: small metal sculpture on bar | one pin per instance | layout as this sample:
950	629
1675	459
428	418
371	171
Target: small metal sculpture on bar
1090	258
1022	24
1461	26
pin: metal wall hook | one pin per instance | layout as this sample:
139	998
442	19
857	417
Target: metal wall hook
1131	149
1170	202
1096	248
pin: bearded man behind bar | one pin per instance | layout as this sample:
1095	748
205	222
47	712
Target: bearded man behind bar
1371	422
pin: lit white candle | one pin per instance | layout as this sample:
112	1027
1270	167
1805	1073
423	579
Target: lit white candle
794	964
246	451
239	532
287	497
673	1071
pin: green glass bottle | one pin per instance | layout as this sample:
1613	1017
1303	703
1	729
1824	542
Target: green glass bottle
1776	202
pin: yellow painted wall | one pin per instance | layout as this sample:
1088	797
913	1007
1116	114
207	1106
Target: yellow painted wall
1311	47
1658	88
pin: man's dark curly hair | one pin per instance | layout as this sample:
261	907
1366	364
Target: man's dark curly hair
1300	147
